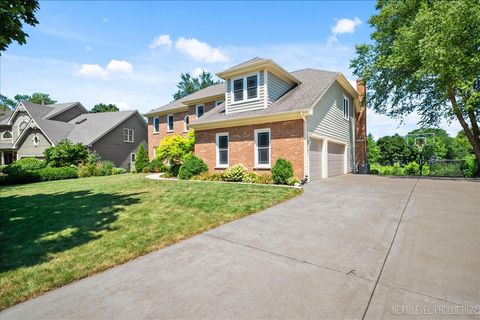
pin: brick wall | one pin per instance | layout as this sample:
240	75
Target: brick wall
286	142
178	126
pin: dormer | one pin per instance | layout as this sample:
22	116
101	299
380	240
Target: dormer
255	84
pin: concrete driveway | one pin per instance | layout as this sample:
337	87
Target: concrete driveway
349	247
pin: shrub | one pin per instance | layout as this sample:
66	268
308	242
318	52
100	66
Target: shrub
141	159
291	181
264	179
118	171
16	177
66	153
397	170
3	166
191	166
282	171
173	149
209	177
102	168
250	177
412	169
50	173
25	164
156	165
470	167
235	173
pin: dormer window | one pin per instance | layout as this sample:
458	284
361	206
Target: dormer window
245	88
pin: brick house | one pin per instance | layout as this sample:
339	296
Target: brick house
263	112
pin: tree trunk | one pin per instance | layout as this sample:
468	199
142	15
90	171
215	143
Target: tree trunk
471	136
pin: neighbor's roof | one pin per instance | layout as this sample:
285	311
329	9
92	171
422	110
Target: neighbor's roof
4	115
211	91
313	84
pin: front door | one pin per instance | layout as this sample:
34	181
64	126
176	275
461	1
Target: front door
132	162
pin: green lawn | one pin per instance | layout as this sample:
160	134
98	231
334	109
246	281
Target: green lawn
53	233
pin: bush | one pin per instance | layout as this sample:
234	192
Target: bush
282	171
191	166
25	164
397	170
291	181
3	166
141	159
50	173
412	169
102	168
250	177
264	179
66	153
17	177
173	149
209	177
470	166
118	171
235	173
157	165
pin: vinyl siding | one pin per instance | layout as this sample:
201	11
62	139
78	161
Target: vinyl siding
111	147
28	149
2	131
69	114
276	88
327	120
249	105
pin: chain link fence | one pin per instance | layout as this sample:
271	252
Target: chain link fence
446	168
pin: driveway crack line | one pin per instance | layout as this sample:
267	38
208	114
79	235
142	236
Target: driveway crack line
288	257
390	248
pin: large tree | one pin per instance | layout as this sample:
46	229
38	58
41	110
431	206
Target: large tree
189	84
13	14
394	149
425	58
101	107
37	97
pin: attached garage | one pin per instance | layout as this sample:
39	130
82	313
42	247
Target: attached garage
336	159
315	159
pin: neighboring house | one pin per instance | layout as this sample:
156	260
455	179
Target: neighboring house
263	112
31	128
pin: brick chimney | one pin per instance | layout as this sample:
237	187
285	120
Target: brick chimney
361	130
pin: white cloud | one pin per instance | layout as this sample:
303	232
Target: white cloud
160	41
122	105
93	71
346	26
121	66
200	51
198	71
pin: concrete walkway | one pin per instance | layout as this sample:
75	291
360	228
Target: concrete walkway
350	247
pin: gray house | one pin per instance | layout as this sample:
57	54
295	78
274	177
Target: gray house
31	128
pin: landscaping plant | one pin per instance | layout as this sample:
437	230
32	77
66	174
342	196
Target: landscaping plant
173	149
156	165
66	153
235	173
282	171
141	159
191	166
24	164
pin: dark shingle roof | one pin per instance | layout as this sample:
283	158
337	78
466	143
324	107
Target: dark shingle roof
59	108
313	84
4	115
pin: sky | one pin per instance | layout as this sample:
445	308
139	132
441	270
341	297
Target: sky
132	53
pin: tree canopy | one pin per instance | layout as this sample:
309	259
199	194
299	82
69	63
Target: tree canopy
37	97
189	84
101	107
13	14
425	58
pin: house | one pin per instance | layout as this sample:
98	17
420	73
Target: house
263	112
31	128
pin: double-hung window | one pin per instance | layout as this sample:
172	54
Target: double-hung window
262	148
156	125
186	123
245	88
128	135
170	123
346	107
199	110
222	150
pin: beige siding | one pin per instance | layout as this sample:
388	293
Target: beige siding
249	105
327	120
112	147
276	88
26	148
69	114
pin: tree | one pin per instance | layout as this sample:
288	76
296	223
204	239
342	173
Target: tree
373	151
13	14
66	153
37	97
189	84
173	149
101	107
6	103
141	159
394	149
425	58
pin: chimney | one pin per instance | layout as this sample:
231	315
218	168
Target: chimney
361	128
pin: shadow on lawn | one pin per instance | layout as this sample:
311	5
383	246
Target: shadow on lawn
34	226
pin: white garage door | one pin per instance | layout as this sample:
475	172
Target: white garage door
315	159
336	159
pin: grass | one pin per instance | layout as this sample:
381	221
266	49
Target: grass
53	233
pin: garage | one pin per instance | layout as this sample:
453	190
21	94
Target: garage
336	159
316	159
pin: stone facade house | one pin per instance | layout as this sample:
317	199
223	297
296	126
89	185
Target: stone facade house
261	112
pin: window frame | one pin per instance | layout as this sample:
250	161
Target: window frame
346	107
256	148
168	123
186	123
128	135
26	125
245	90
217	150
196	110
157	129
8	131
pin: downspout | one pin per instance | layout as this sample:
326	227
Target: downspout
306	159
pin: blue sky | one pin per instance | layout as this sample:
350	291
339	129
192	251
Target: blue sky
132	53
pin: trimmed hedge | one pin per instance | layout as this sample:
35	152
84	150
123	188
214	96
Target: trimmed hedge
191	166
24	164
44	174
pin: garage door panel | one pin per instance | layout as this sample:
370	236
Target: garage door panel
315	159
336	159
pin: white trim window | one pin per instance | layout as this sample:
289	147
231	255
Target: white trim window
21	127
218	102
170	123
199	110
222	157
186	123
128	135
245	88
346	107
262	148
156	125
7	135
